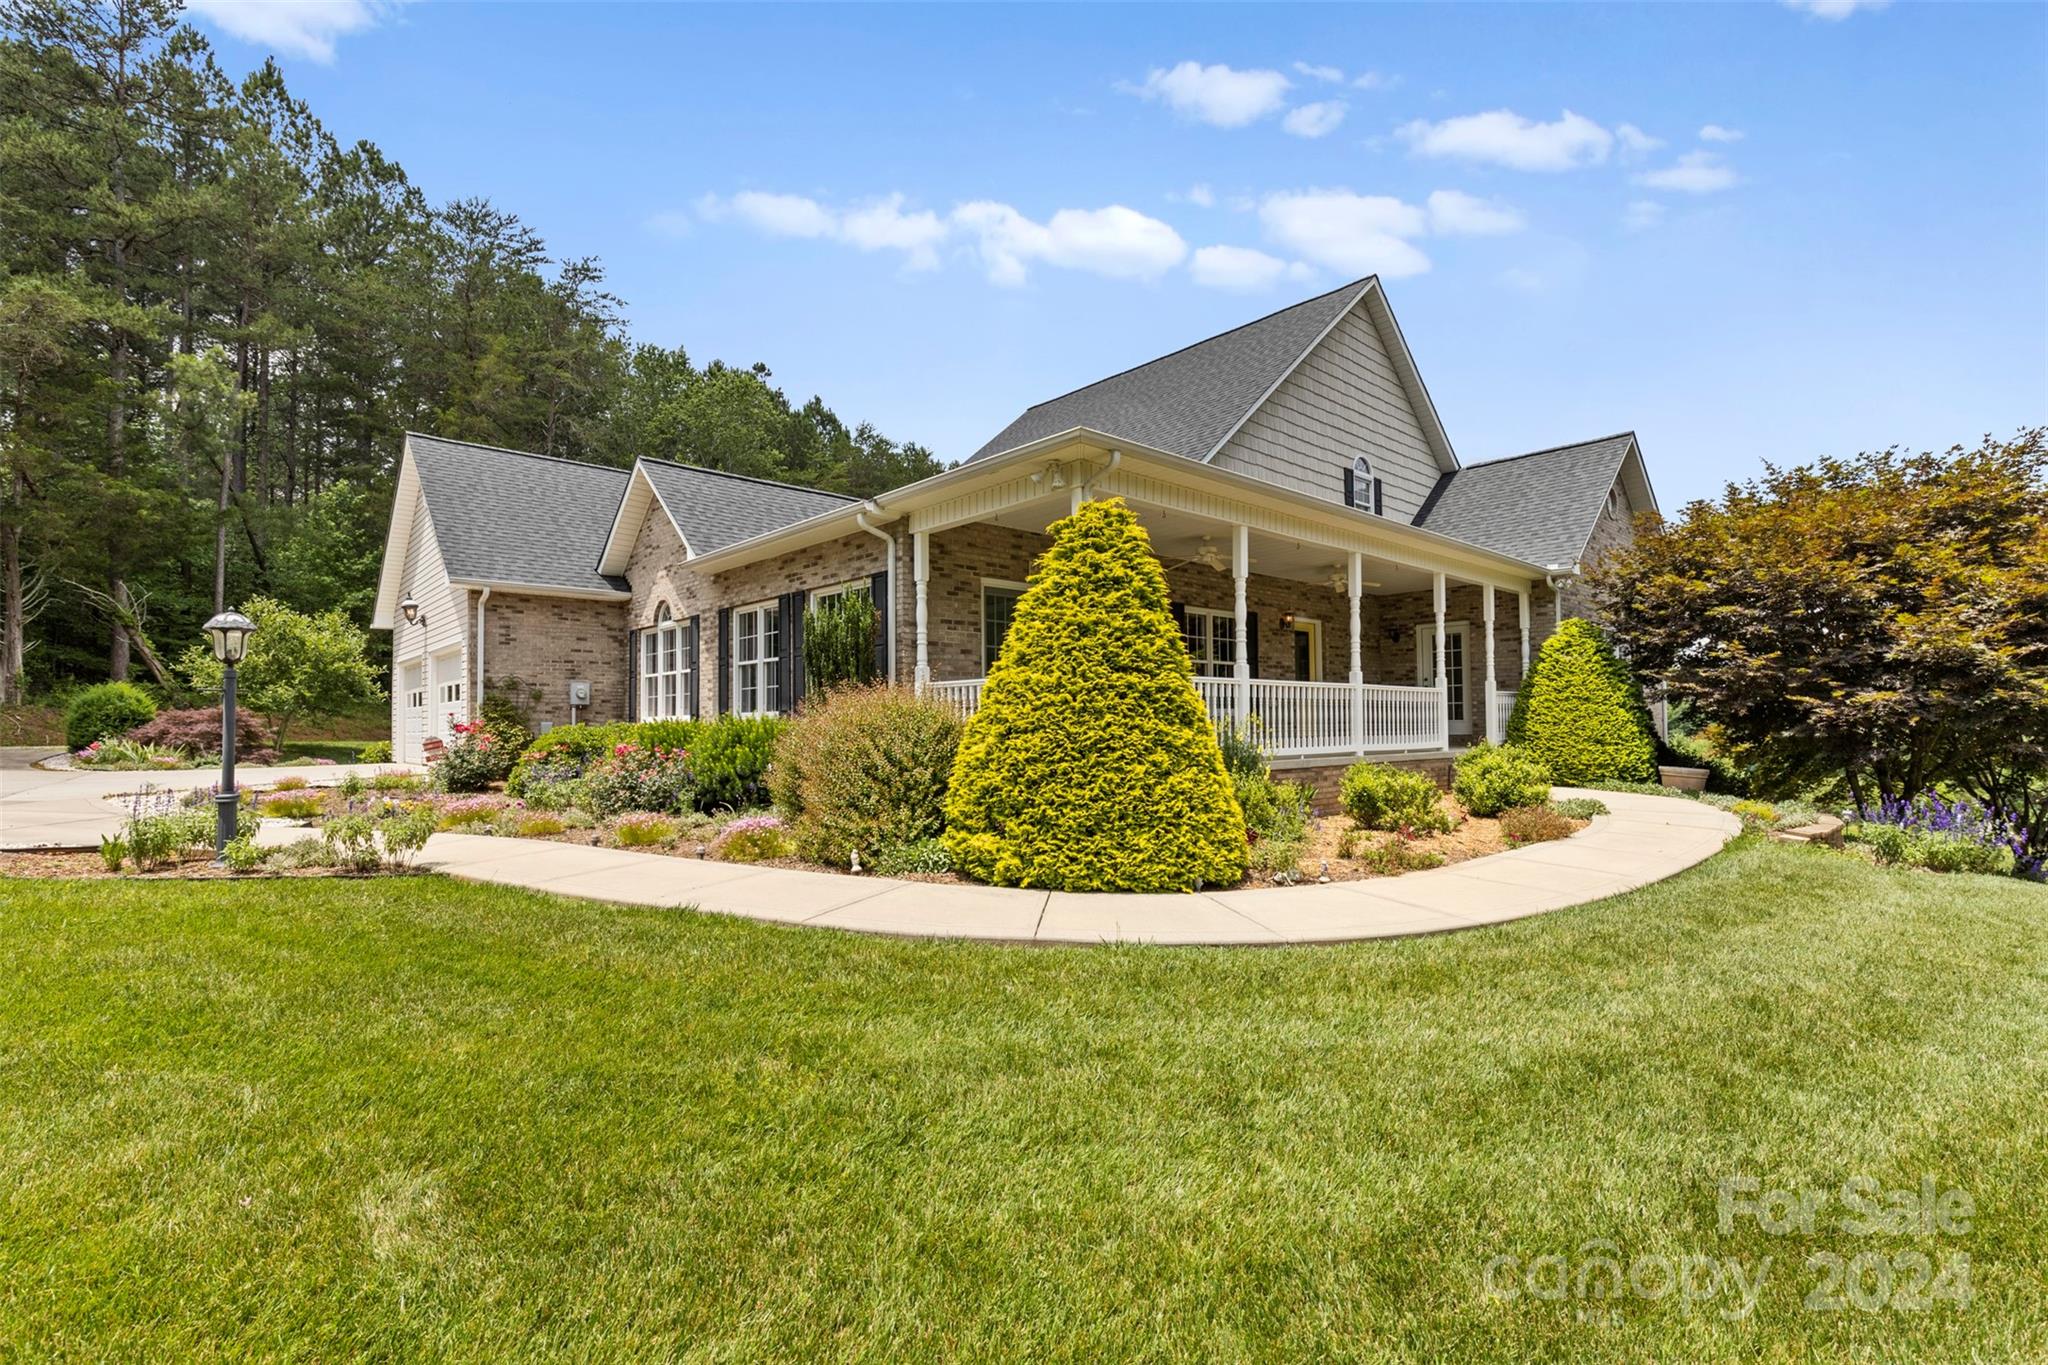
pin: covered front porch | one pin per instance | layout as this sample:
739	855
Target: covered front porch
1330	637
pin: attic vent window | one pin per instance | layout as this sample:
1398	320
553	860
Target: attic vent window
1362	490
1614	500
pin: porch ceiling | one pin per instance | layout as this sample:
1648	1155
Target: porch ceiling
1182	536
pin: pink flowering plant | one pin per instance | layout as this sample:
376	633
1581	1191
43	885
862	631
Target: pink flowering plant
752	839
636	777
478	757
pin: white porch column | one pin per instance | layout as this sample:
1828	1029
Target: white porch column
1357	662
921	573
1443	688
1492	687
1522	602
1240	567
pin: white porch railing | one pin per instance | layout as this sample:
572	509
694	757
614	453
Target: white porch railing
963	695
1299	719
1504	706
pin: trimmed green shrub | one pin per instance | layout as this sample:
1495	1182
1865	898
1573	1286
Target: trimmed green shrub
1091	764
1489	779
642	830
927	857
1382	796
1580	807
1581	712
1276	818
376	751
865	768
568	749
104	711
730	757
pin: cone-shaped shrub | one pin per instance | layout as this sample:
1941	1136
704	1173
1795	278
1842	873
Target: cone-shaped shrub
1581	713
1091	765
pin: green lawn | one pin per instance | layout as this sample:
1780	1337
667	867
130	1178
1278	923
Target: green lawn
413	1118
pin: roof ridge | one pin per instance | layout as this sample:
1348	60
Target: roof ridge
748	478
508	450
1357	284
1550	450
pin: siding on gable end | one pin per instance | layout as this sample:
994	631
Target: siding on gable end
1615	530
424	575
1342	401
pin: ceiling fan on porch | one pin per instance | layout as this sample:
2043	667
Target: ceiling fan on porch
1340	580
1210	556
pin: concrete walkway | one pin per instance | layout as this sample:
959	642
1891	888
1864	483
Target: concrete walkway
43	808
1644	840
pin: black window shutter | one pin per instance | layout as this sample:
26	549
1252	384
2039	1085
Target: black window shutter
632	675
690	703
724	660
791	664
1351	488
1379	489
1251	641
878	593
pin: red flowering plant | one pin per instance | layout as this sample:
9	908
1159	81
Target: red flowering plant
478	757
634	777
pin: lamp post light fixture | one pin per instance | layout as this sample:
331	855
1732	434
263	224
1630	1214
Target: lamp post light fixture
410	609
229	633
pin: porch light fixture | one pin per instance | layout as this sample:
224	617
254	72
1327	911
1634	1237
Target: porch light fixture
411	611
1287	620
229	634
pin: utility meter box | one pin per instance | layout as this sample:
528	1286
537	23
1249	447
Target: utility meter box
579	693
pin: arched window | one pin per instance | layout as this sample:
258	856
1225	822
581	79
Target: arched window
666	676
1361	489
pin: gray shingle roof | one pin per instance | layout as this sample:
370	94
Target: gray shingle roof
1539	507
714	509
1187	402
508	516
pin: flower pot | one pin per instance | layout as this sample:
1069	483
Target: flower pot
1685	779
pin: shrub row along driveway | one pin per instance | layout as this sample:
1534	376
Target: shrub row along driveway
416	1118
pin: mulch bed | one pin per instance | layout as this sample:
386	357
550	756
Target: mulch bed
70	863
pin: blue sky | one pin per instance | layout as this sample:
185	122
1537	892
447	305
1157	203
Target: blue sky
1746	231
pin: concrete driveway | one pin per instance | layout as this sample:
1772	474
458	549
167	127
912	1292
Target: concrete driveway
40	808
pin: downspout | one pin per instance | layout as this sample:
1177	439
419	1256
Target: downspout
860	519
476	700
1557	577
1116	457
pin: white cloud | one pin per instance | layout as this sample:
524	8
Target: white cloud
1216	94
1457	214
1314	120
1642	214
1374	80
1835	9
780	215
1332	74
1694	173
883	225
1199	194
1505	138
306	27
1714	132
1118	242
1635	142
1241	267
1354	233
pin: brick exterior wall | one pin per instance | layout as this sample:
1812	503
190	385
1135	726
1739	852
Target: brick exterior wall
544	642
658	575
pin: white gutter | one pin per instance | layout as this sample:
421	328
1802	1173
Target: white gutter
860	519
476	699
1116	457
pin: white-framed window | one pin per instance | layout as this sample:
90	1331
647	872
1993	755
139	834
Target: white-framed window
451	691
756	659
666	683
837	590
416	687
1212	642
998	609
1614	500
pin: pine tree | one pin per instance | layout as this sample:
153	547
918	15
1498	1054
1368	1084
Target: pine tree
1091	764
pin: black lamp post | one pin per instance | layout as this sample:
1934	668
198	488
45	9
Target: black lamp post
229	632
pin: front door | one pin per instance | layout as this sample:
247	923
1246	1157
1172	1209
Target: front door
1454	670
1308	651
